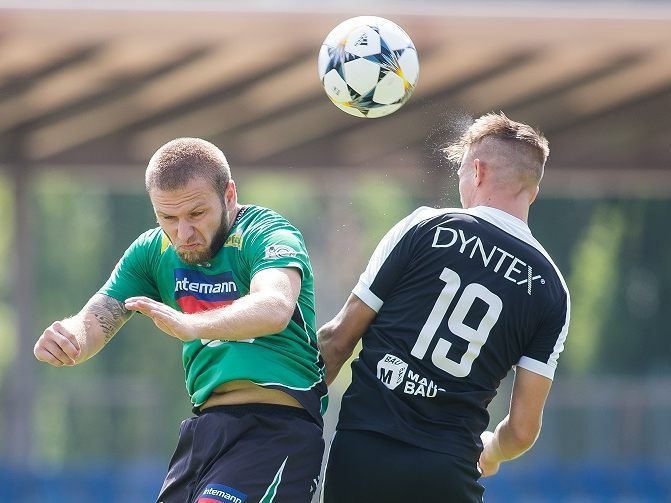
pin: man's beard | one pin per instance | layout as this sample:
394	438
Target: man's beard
195	257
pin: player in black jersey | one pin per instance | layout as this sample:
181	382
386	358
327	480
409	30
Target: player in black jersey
450	300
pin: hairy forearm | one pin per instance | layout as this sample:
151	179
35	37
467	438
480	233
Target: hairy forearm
95	325
253	315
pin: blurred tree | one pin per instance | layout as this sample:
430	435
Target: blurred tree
7	318
593	283
8	329
637	336
615	257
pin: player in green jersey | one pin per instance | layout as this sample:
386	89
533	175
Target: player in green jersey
234	283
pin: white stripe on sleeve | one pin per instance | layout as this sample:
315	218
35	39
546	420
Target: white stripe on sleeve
537	367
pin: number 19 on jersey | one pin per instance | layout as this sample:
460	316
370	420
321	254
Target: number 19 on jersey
476	338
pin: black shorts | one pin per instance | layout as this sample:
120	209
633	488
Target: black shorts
245	454
365	467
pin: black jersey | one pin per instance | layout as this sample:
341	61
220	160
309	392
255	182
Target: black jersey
461	297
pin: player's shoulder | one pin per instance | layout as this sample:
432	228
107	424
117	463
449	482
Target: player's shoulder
425	213
151	239
520	232
420	215
147	248
259	224
426	216
259	217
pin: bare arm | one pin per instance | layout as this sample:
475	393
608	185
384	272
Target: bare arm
266	310
338	338
76	339
518	431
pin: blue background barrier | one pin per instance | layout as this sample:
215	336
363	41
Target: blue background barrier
542	483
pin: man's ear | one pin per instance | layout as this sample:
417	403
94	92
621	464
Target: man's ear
231	193
479	171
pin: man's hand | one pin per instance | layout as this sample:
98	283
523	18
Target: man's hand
57	346
338	338
169	320
488	463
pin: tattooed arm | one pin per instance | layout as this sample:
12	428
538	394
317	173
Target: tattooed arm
78	338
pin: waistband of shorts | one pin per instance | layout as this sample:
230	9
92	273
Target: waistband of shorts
269	409
453	450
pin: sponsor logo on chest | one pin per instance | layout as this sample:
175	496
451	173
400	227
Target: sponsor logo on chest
196	291
493	258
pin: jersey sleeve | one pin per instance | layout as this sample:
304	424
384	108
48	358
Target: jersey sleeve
132	275
389	260
276	244
542	353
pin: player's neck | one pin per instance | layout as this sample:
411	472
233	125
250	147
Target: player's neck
515	206
233	216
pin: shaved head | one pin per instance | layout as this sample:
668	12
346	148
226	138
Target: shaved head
511	162
514	151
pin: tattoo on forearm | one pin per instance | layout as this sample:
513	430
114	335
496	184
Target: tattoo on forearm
110	315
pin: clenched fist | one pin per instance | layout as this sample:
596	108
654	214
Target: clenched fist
57	346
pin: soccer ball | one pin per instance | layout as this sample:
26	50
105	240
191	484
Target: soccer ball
368	66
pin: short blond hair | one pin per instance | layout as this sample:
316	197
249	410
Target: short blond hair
499	127
181	160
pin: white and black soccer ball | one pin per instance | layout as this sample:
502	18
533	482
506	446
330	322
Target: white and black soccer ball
368	66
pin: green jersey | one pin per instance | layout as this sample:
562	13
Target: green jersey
259	239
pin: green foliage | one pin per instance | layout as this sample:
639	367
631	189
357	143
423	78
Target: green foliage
6	237
72	231
636	332
593	285
8	342
379	203
615	256
291	196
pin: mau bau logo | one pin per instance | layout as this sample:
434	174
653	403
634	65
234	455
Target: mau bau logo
391	371
196	291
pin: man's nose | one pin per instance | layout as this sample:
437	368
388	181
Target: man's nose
184	231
